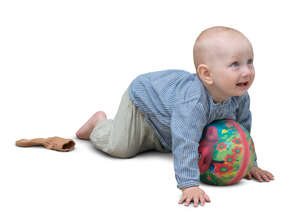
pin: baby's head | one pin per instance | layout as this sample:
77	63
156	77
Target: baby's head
223	59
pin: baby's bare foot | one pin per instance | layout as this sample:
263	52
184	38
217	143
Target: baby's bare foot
85	130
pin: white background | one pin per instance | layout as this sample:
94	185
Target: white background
61	61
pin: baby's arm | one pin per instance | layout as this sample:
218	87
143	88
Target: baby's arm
186	128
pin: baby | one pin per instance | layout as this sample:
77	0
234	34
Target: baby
168	110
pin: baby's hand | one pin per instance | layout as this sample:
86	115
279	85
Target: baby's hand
259	174
193	193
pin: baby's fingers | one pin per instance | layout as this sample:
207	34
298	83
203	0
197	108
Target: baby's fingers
267	176
204	198
196	200
182	199
207	198
248	176
258	176
188	200
270	175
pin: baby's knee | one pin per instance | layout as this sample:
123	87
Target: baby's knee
121	151
118	150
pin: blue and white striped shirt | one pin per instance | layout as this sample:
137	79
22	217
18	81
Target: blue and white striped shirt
178	107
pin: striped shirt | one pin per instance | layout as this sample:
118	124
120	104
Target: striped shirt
178	107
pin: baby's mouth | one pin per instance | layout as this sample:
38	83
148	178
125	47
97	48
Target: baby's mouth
243	84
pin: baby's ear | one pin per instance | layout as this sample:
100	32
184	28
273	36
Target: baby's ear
204	74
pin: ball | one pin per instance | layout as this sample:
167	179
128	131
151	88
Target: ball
226	153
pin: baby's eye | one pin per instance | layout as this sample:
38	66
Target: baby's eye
250	61
235	64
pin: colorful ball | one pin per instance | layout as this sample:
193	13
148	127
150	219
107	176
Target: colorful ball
226	153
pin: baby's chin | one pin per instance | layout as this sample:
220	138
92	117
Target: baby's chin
236	92
240	92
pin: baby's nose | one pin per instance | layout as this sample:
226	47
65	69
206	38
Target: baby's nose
246	72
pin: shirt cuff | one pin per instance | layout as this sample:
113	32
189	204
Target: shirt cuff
255	163
188	184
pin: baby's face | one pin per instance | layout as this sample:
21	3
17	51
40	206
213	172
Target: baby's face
232	66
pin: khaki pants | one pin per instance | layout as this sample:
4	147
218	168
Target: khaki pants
127	135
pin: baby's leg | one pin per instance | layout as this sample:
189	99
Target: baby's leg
124	136
87	128
127	134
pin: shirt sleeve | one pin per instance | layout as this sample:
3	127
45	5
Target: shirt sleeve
244	116
187	123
